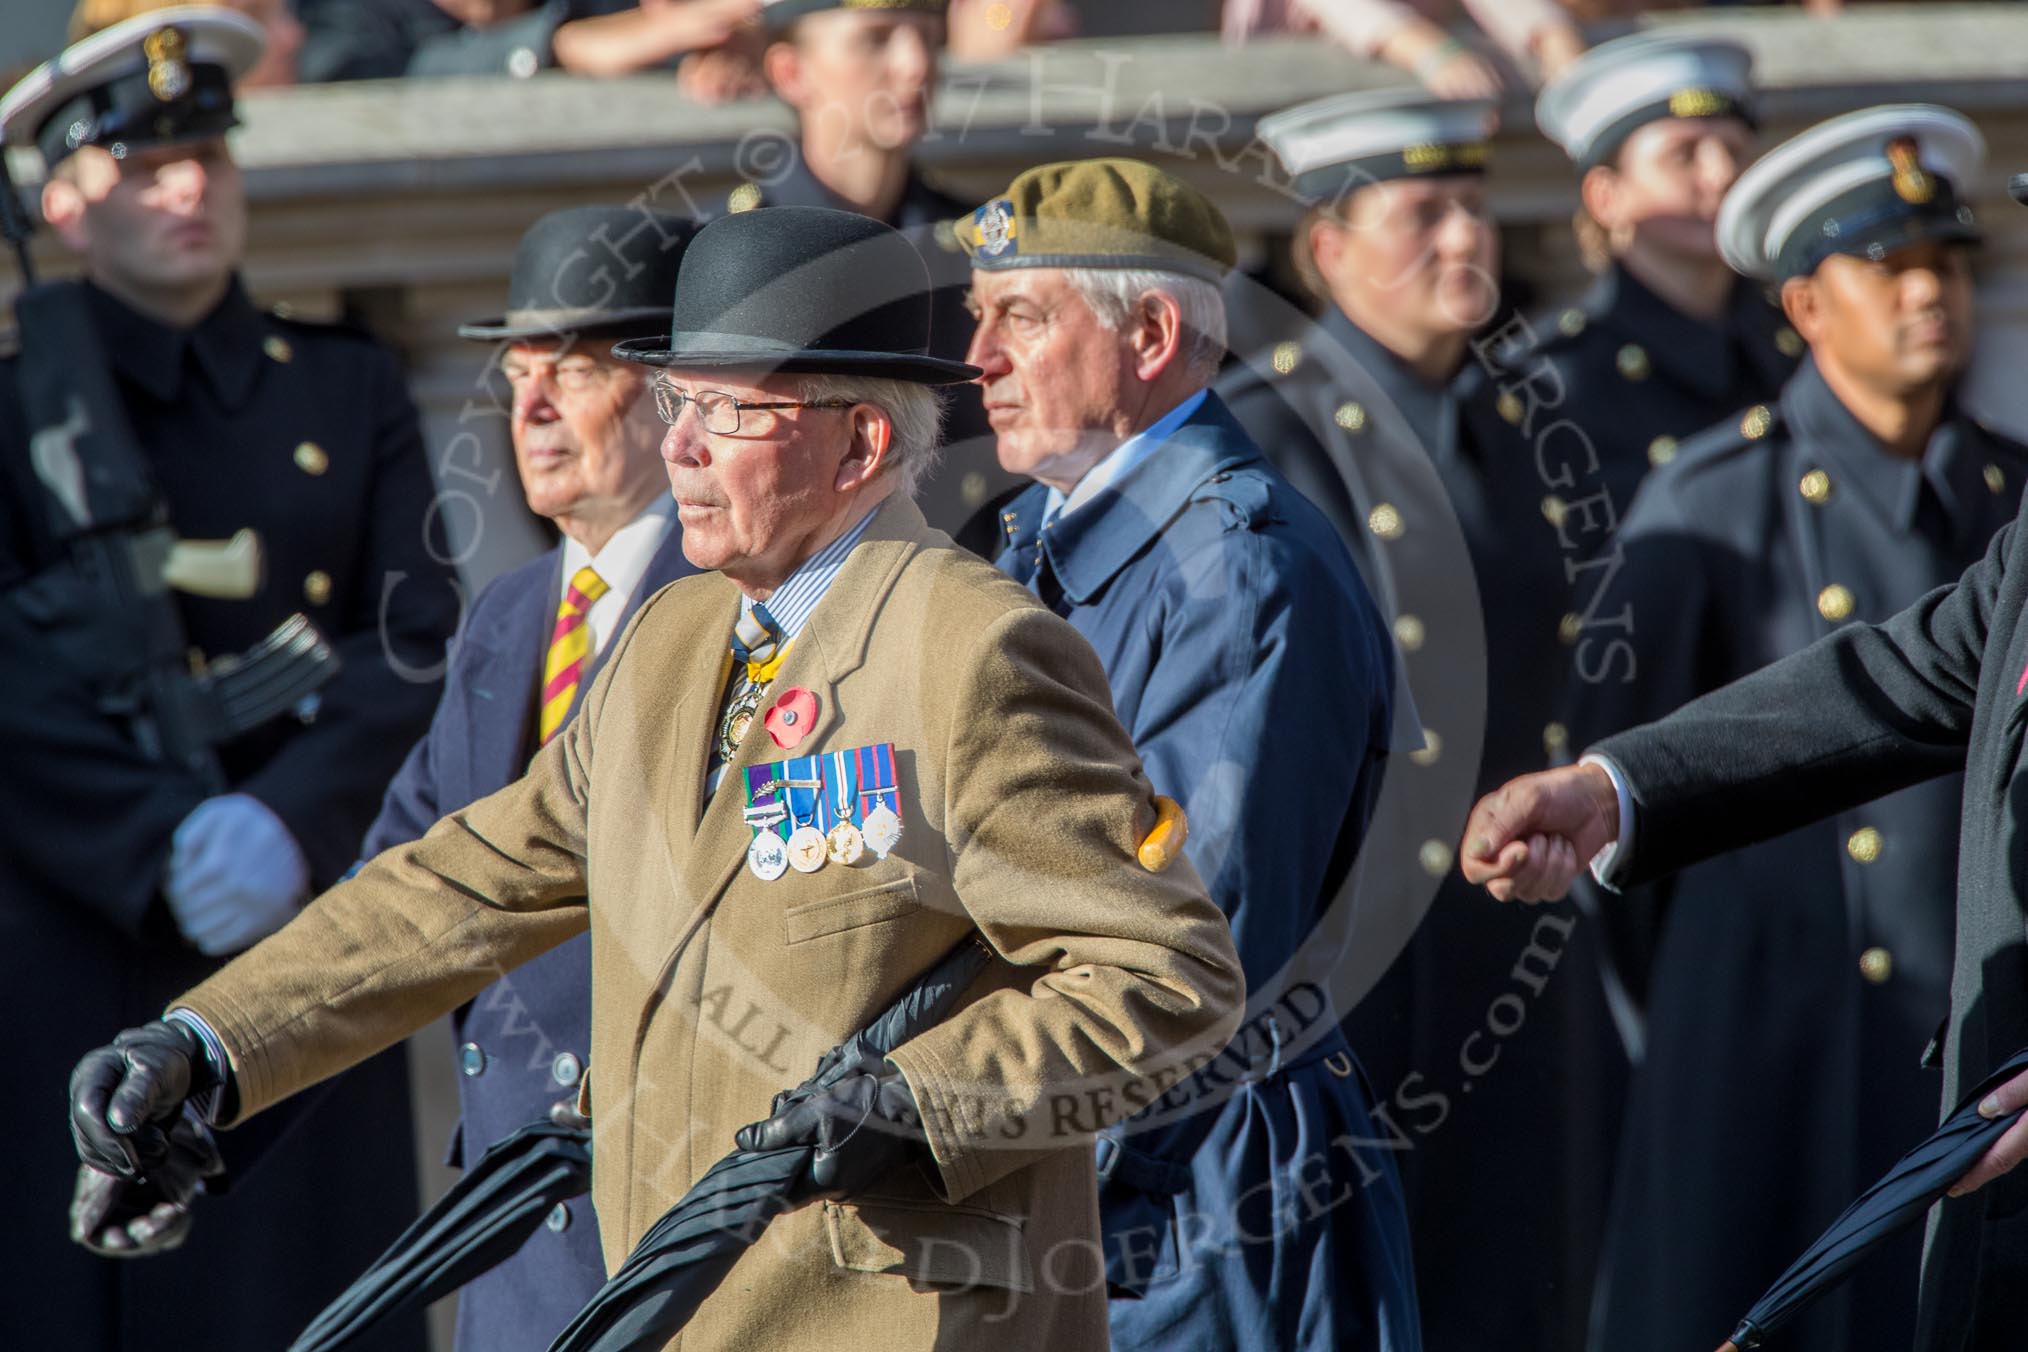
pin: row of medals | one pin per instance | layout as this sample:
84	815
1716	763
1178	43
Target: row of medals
808	849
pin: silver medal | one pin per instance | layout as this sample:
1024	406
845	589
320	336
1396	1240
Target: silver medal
882	830
767	856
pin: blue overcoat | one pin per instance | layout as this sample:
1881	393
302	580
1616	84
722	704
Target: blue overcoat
1251	667
523	1041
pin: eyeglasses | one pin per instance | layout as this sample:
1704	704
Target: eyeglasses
719	411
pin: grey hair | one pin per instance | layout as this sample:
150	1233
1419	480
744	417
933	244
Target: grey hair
1113	294
917	412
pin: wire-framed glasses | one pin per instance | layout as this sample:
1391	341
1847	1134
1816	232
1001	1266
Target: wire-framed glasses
719	411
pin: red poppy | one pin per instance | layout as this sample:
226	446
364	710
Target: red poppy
792	717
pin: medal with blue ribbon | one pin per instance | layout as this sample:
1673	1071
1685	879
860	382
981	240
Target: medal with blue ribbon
880	826
803	782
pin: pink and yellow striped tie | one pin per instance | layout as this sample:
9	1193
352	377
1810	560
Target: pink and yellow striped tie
569	649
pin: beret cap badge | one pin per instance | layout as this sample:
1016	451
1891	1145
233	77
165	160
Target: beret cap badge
994	228
168	71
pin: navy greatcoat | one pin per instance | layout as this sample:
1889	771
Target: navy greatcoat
1796	982
523	1042
306	434
1487	1037
1252	669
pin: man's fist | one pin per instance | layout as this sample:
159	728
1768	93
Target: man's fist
121	1219
1529	839
863	1128
123	1097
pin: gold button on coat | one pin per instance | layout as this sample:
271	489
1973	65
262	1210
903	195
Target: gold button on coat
1409	633
1632	361
1815	487
1287	357
1510	407
1350	416
1432	747
1756	421
1788	342
1553	509
317	587
1435	858
1555	738
1835	602
277	348
1864	844
1876	965
1996	478
1385	522
1661	450
1569	628
310	458
1571	322
743	198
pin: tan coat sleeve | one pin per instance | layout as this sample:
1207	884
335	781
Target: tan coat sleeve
419	930
1046	804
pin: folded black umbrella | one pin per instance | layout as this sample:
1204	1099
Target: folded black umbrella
1898	1200
484	1217
687	1253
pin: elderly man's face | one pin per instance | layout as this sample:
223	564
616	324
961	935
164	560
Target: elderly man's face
1054	376
752	502
585	433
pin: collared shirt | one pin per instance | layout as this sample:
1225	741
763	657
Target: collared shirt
621	564
1122	458
791	605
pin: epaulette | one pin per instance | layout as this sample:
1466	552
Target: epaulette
1244	496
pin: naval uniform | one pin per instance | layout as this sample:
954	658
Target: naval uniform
1254	674
1505	1124
1796	981
306	434
1641	377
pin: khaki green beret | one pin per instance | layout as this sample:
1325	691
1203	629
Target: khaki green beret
1113	213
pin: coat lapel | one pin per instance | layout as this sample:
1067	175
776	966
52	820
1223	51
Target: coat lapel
831	647
503	682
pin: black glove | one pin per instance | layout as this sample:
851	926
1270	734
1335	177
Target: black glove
124	1097
864	1127
122	1219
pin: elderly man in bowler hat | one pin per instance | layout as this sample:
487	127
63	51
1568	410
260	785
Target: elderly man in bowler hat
587	443
793	788
1253	669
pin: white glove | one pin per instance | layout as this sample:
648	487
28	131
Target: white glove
236	875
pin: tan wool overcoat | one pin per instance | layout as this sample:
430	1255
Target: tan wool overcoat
1022	802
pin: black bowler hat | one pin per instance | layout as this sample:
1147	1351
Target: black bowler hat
801	289
607	271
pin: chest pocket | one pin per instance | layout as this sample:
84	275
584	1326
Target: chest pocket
853	910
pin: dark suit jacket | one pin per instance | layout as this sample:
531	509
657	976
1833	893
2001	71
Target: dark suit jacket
524	1041
1862	712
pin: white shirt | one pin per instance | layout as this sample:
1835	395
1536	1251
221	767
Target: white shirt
621	564
1122	458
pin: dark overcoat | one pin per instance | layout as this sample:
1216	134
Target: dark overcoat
306	434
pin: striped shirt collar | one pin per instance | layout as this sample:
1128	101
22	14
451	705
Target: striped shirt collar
793	601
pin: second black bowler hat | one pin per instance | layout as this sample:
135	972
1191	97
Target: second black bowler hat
801	289
590	270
